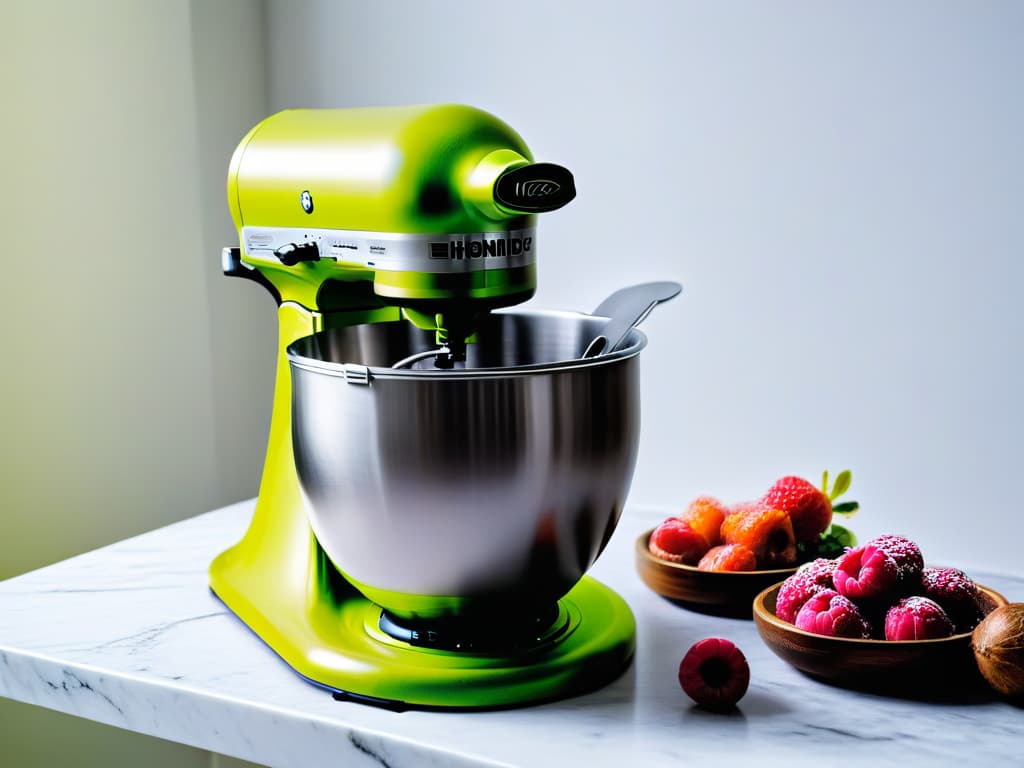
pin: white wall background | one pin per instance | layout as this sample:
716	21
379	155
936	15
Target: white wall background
838	185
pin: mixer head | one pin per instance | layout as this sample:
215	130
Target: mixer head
430	209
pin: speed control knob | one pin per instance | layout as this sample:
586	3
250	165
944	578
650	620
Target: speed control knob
292	253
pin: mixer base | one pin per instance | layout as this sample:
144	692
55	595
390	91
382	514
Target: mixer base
589	644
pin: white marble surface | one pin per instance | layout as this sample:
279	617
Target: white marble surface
130	635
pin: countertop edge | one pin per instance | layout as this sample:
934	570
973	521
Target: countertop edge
209	721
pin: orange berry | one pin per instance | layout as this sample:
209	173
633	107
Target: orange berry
705	515
728	557
742	506
768	533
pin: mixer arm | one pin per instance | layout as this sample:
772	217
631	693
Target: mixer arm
233	266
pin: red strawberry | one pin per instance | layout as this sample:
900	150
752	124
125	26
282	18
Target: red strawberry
808	508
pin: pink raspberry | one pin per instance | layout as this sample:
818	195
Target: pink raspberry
883	566
955	593
917	618
905	552
829	613
809	579
865	572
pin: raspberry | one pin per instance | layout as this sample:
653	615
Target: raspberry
714	673
829	613
808	508
811	578
906	554
728	557
865	572
677	542
705	515
917	618
955	593
768	533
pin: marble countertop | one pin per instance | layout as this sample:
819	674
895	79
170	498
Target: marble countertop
130	635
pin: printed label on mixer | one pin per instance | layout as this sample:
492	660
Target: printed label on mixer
468	248
439	253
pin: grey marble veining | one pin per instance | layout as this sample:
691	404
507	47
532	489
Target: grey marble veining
130	635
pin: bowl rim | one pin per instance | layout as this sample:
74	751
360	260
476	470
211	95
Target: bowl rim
761	612
638	341
642	547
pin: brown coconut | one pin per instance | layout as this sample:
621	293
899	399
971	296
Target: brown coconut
998	643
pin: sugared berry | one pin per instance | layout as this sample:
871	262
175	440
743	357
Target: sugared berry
955	593
768	533
808	508
917	618
829	613
728	557
810	578
714	673
705	515
675	541
865	572
905	553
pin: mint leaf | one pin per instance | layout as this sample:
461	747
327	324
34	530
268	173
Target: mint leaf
842	484
835	541
846	508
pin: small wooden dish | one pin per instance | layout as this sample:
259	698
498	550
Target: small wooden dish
905	666
723	592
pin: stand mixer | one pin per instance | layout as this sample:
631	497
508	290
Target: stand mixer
422	531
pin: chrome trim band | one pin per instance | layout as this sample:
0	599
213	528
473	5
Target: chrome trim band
398	252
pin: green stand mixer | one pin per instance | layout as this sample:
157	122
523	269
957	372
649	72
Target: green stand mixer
441	470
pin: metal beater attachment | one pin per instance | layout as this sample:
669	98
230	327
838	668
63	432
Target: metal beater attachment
443	356
452	330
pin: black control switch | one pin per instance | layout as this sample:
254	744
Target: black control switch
292	253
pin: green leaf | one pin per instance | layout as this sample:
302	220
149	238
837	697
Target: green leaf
835	541
842	484
846	508
844	536
824	482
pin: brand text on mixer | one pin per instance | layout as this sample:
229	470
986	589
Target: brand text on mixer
478	249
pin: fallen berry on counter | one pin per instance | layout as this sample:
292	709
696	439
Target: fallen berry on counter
829	613
677	542
810	579
917	618
728	557
714	673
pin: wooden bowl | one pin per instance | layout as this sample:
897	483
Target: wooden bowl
903	666
722	592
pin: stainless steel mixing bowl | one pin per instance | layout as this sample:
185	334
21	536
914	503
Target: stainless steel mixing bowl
492	488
